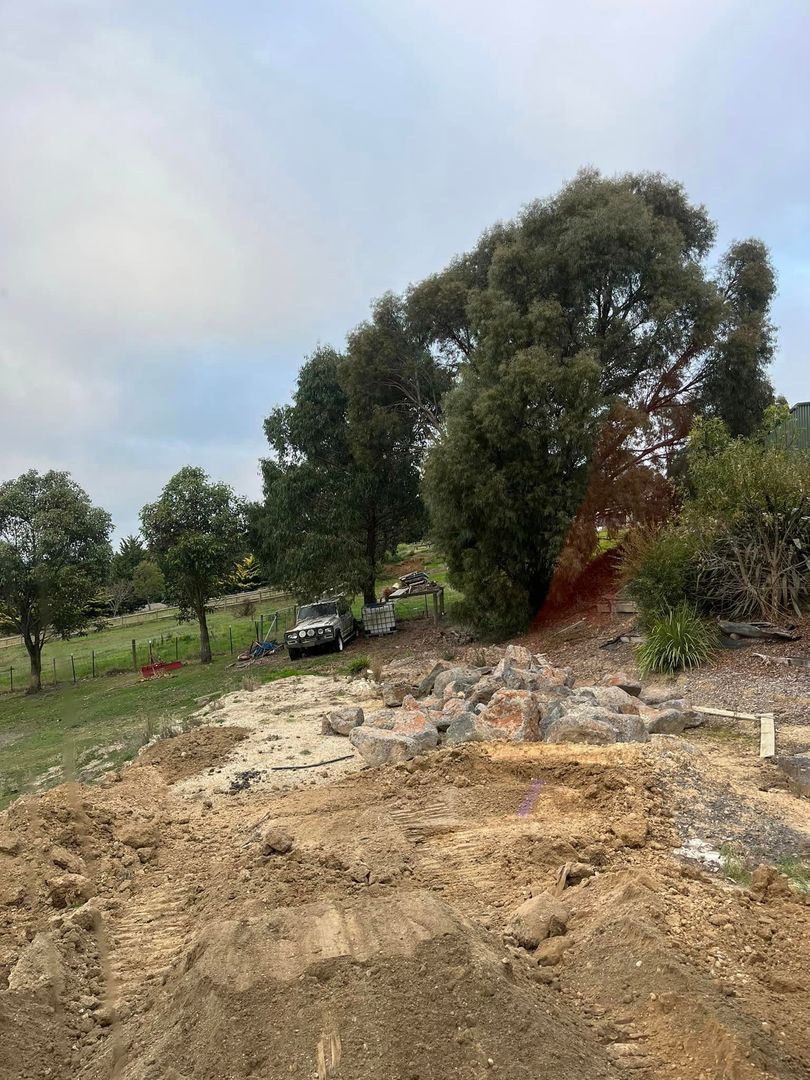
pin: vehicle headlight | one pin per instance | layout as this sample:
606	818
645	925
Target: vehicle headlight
327	630
310	633
320	632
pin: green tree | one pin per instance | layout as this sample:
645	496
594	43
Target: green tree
197	531
342	486
247	575
616	268
54	554
504	483
148	582
131	552
735	387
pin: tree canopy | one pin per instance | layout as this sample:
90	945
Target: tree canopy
342	486
615	269
196	529
54	554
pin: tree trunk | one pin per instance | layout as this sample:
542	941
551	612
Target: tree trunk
205	641
369	593
538	590
35	655
370	580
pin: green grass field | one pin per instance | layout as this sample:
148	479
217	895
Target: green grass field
100	722
111	650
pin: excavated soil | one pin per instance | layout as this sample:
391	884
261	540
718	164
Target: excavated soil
145	934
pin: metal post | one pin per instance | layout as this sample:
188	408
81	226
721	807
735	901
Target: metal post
261	617
134	656
257	632
73	665
11	677
151	659
230	638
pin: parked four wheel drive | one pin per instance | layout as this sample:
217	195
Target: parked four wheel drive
326	622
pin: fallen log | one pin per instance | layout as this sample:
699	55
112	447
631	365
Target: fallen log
785	661
759	631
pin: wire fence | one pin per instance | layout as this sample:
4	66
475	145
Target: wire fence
161	612
167	647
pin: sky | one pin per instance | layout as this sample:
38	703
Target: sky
193	195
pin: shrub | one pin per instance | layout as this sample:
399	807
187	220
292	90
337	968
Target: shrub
358	665
760	568
661	569
677	639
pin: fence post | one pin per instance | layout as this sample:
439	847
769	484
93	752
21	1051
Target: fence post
261	617
134	656
54	671
94	662
257	632
11	677
230	638
73	666
151	660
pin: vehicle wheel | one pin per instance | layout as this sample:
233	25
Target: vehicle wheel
339	643
295	654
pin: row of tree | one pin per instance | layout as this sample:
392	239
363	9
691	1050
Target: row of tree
543	383
55	553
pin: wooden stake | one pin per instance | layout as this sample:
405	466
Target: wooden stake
767	736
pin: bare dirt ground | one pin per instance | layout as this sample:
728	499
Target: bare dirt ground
148	933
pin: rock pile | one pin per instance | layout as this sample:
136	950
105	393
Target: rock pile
521	697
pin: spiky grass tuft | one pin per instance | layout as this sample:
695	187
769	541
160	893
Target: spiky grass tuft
677	639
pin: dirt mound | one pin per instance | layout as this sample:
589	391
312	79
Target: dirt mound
693	961
192	752
373	989
143	924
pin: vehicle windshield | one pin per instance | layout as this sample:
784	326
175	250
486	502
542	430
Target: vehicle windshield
316	611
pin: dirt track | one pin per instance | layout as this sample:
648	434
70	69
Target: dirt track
375	947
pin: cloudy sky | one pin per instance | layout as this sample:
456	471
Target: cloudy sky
194	194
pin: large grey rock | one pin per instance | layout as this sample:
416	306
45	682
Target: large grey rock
518	656
582	726
467	727
394	692
426	685
379	747
666	722
382	719
342	721
609	697
659	695
464	676
625	682
797	769
483	691
581	722
629	728
450	711
513	715
537	919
